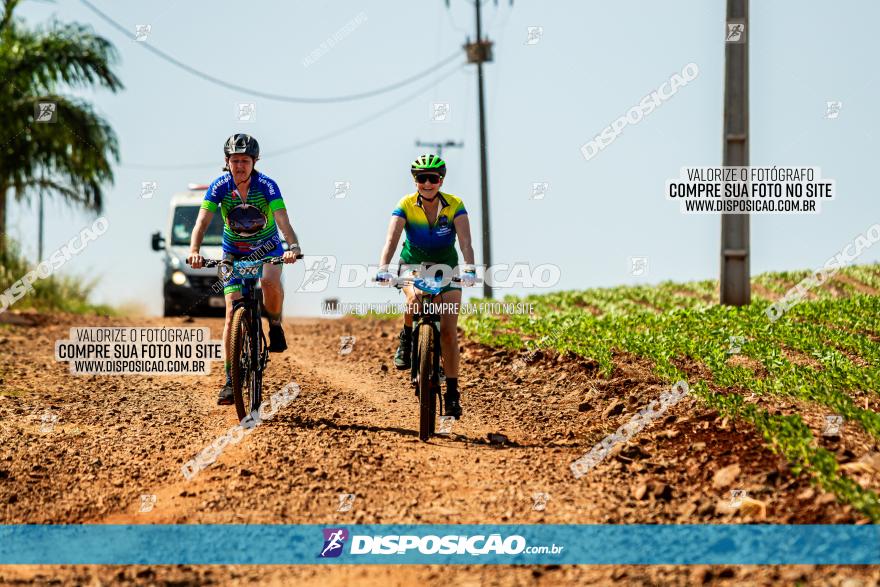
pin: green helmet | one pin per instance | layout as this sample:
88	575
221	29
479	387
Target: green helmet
425	163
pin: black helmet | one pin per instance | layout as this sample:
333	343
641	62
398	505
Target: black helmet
246	220
242	144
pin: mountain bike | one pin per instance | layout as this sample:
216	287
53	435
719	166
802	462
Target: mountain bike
248	352
425	369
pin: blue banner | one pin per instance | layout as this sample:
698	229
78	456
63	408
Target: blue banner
270	544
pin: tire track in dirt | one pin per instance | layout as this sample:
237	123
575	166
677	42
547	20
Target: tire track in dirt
352	429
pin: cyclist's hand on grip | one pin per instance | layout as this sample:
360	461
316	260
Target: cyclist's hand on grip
468	278
384	277
290	256
195	259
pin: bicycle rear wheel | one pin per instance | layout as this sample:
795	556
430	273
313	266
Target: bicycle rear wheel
243	365
427	397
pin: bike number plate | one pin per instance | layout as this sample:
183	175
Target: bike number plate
430	285
243	271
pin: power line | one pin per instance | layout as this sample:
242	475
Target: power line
276	97
363	121
453	24
315	140
438	147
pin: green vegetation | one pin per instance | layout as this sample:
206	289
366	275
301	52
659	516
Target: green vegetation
69	156
57	292
821	352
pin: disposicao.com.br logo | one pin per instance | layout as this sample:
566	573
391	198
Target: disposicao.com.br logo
334	541
450	544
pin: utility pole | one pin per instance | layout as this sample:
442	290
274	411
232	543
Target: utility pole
438	147
735	272
479	52
40	228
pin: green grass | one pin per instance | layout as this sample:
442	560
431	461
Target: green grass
58	292
664	325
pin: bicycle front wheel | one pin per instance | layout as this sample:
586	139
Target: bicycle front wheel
427	397
243	364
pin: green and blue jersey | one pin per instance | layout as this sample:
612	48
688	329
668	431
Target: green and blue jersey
263	194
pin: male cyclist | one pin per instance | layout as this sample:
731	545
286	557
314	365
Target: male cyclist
431	220
253	211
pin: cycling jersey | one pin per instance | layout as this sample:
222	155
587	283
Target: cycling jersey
265	196
271	248
424	242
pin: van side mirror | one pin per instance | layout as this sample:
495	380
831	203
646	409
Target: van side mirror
158	241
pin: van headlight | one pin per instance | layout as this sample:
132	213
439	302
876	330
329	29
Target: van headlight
178	278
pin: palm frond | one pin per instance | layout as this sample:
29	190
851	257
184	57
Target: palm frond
60	53
71	156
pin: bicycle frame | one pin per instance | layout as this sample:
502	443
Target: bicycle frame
259	350
257	357
425	378
423	319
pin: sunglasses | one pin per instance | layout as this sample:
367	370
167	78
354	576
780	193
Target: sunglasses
427	178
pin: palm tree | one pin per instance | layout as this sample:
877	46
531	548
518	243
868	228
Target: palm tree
70	156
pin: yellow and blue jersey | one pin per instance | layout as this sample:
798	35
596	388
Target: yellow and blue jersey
425	242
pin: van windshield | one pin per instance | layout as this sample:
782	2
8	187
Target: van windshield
185	219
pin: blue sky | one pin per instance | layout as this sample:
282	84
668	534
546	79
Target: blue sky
594	61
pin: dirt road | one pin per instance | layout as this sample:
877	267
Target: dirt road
352	430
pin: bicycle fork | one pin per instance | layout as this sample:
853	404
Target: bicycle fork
414	356
260	353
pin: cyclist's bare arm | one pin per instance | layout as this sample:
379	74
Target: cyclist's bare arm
283	222
202	222
395	228
463	231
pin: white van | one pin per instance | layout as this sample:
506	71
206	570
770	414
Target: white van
189	291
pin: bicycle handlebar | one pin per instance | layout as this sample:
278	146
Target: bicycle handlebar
412	278
271	261
409	280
